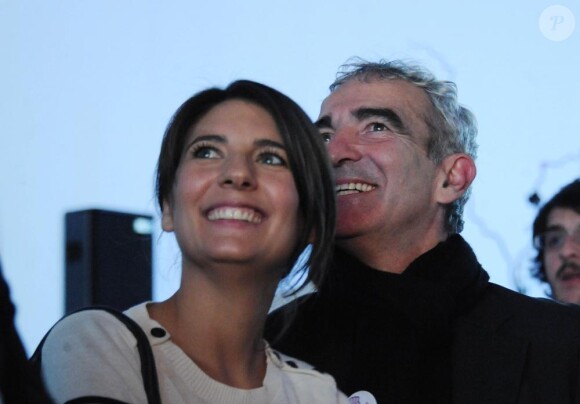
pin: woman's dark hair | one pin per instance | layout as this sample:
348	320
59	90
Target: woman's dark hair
308	163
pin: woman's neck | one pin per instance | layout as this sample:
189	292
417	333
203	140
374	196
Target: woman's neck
219	325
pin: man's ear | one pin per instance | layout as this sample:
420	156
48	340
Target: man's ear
457	172
167	216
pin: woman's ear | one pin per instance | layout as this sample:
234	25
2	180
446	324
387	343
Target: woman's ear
167	216
457	172
312	237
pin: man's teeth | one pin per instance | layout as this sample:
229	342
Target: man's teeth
353	187
244	215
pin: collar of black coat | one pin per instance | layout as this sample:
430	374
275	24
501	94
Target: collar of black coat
437	287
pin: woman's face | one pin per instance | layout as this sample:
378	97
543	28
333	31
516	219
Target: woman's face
234	200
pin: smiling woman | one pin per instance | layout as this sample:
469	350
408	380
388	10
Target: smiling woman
242	179
234	198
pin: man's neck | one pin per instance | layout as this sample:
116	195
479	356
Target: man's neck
392	256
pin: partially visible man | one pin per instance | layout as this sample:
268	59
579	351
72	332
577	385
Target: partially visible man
20	382
557	242
407	314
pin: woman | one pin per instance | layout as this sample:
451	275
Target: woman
244	183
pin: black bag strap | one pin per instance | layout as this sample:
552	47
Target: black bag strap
148	370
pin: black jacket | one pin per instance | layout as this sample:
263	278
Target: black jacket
439	332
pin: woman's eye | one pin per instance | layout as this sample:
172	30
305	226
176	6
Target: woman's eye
326	137
205	152
271	159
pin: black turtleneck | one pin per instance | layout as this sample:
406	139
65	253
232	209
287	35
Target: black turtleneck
386	333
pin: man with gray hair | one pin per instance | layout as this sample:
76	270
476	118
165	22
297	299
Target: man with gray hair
407	314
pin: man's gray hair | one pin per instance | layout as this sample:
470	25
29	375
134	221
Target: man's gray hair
453	128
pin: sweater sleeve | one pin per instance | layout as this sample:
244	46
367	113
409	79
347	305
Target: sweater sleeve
92	354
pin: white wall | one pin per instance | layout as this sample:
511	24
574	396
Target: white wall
87	87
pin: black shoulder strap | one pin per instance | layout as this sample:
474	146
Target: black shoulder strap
148	370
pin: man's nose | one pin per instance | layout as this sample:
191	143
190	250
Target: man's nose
238	172
570	248
342	147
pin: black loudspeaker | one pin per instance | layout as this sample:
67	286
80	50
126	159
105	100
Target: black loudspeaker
108	259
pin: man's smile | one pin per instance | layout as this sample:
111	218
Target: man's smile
353	187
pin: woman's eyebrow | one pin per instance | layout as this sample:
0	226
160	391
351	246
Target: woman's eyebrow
223	139
207	138
269	142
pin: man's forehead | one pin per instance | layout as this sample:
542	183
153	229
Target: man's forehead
396	94
563	217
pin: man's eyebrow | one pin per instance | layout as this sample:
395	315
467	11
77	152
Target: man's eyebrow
386	113
555	226
323	123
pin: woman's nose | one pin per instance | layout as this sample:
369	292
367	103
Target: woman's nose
238	172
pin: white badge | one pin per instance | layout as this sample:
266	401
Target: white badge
362	397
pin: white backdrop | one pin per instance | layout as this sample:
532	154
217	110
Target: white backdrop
87	87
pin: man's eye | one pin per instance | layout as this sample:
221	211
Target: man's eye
554	240
205	152
377	127
326	137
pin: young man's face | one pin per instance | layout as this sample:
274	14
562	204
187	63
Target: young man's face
562	254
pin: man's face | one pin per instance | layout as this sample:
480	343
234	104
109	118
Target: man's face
562	260
377	140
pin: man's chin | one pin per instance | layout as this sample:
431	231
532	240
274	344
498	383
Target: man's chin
346	235
570	296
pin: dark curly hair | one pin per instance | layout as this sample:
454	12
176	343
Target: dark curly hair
568	197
